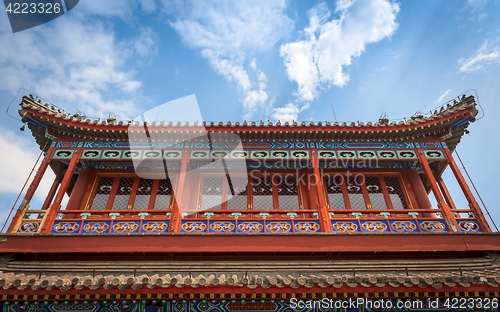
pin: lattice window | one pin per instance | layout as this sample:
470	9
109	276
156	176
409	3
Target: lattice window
237	194
375	193
211	195
262	193
102	193
287	193
355	192
123	194
396	193
163	194
333	186
143	194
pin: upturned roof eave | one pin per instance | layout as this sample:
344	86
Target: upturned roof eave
449	124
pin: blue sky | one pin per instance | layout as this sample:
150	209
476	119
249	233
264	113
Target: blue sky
259	60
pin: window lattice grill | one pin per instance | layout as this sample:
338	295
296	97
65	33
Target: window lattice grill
262	193
211	196
355	193
143	194
163	194
237	193
287	193
123	194
375	193
396	193
333	186
102	193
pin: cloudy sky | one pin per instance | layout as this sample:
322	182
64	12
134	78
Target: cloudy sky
258	60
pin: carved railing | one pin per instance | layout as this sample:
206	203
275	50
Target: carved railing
245	222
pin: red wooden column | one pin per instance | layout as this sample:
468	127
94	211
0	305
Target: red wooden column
176	218
31	190
52	192
442	205
446	193
324	216
56	205
473	205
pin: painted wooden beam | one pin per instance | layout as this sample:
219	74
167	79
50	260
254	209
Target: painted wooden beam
296	243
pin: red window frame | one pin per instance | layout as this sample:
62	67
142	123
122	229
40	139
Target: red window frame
132	195
368	205
275	178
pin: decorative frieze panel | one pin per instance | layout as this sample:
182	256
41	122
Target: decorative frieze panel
374	226
345	226
65	227
63	153
29	227
91	154
408	154
468	225
390	154
432	226
98	227
112	154
249	226
264	144
126	227
257	154
388	225
227	226
434	154
154	227
403	226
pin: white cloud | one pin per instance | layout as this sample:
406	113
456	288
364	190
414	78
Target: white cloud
477	4
331	44
289	112
441	98
484	56
144	45
76	62
225	32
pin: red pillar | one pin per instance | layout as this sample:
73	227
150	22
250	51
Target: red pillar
442	205
52	193
80	188
31	190
176	218
324	216
473	205
56	205
446	193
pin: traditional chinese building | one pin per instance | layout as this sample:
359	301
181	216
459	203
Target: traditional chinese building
168	216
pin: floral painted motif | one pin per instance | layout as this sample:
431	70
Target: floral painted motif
193	226
374	226
345	226
65	227
155	227
125	227
469	226
276	227
28	227
403	226
97	227
250	227
221	226
432	226
306	226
